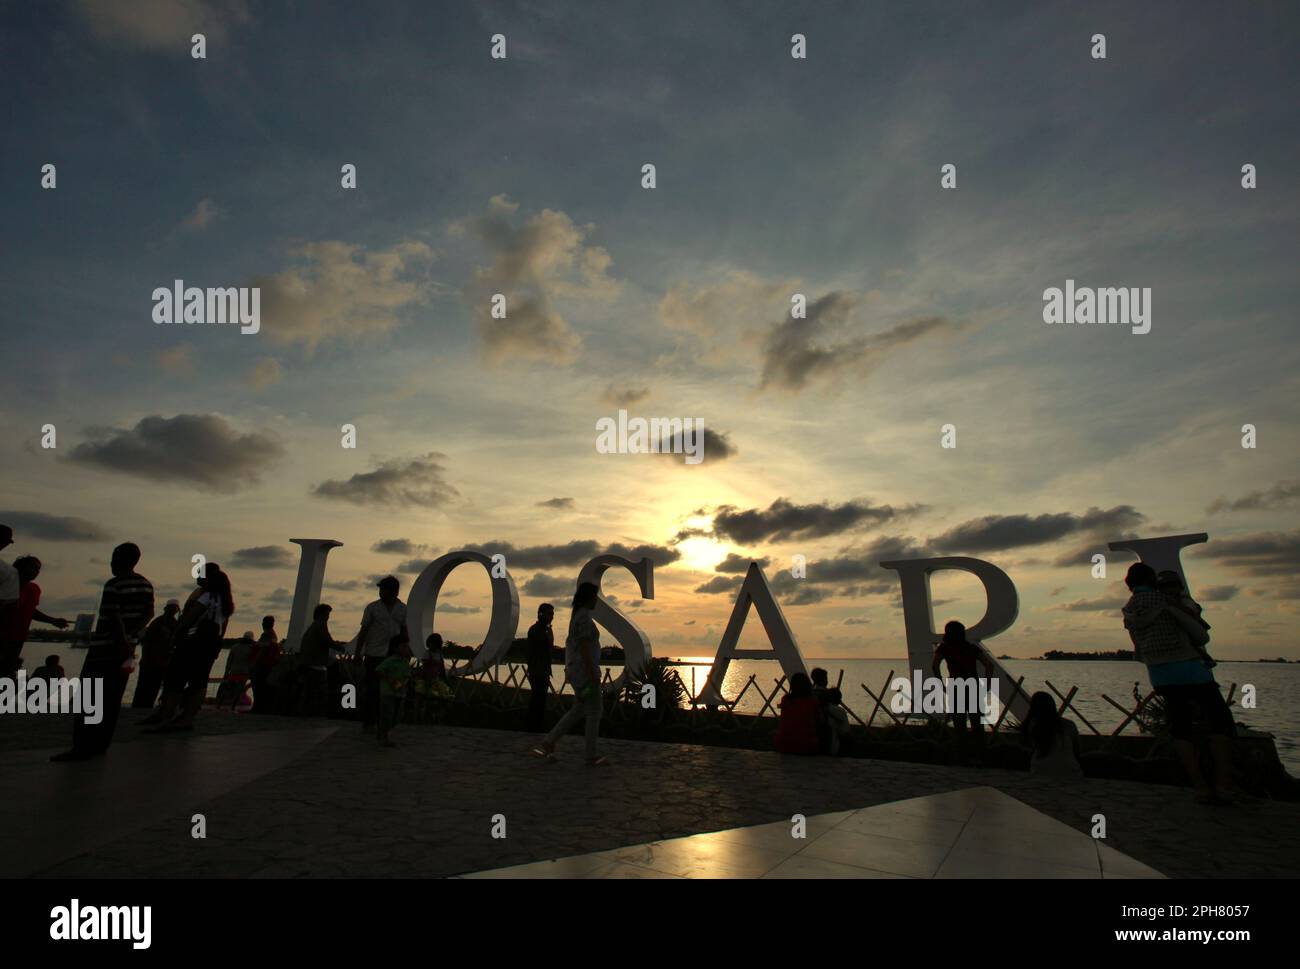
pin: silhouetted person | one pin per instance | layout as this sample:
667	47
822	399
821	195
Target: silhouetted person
582	669
8	575
199	634
820	681
383	619
1183	681
155	653
797	729
1054	741
541	641
125	607
963	658
52	670
837	722
314	654
235	677
17	621
266	657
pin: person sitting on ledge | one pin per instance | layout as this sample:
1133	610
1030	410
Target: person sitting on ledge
1055	740
796	733
838	728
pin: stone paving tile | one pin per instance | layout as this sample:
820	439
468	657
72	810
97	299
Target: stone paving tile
425	808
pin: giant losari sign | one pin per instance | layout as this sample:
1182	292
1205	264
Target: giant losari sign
1002	605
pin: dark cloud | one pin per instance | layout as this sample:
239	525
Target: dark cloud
349	585
574	553
1000	532
1107	603
719	584
784	521
279	599
411	566
262	557
562	504
857	621
799	352
397	546
1261	554
1217	593
624	396
549	586
1281	495
451	607
716	447
798	592
202	449
51	528
739	563
410	482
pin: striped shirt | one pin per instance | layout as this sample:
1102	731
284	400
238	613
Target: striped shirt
130	599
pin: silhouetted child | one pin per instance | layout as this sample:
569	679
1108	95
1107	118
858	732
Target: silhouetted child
394	674
837	721
1170	585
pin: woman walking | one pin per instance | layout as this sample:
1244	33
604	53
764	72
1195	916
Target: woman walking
582	669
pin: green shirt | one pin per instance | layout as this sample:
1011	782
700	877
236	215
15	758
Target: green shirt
394	674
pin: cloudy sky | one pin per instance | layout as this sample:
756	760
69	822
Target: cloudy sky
775	176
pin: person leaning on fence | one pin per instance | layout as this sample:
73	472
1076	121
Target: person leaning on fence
582	668
234	681
1183	681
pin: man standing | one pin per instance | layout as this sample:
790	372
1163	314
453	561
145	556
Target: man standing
155	652
541	640
383	619
314	654
124	608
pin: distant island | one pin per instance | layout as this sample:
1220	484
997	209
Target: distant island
1114	654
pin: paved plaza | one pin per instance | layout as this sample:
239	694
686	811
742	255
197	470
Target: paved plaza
317	798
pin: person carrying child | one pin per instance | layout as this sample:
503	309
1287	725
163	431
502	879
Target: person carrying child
1187	612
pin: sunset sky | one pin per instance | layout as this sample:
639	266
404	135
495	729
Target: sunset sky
775	176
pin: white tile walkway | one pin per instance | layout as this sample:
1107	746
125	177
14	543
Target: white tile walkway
974	833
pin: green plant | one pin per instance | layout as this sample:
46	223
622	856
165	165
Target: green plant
668	691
